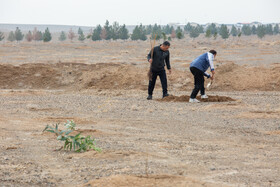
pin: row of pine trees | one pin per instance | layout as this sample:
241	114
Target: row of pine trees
140	32
34	35
156	31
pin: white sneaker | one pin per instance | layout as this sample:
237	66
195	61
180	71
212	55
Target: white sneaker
194	100
204	97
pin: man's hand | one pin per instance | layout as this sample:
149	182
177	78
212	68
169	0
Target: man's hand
169	71
151	60
212	76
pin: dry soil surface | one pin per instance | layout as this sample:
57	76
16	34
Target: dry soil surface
231	139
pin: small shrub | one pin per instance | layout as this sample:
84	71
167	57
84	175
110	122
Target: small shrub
77	142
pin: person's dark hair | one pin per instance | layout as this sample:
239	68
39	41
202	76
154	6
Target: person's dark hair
166	43
213	52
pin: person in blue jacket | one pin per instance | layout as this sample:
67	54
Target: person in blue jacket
198	68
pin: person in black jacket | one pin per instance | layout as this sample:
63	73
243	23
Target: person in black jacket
158	61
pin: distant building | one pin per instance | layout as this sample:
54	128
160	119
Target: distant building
193	24
175	25
255	23
207	24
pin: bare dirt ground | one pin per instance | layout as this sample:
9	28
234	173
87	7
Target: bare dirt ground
232	139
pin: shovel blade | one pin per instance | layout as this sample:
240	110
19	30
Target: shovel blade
209	85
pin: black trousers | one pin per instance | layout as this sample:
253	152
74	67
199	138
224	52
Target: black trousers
198	82
163	80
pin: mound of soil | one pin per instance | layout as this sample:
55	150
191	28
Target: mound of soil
230	76
113	76
72	76
151	180
185	98
29	76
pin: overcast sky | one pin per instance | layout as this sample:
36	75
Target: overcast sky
131	12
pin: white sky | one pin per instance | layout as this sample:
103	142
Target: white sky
131	12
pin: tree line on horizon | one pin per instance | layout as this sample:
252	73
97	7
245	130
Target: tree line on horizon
140	32
161	32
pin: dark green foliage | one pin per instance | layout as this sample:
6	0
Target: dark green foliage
11	36
1	36
109	32
239	34
167	29
208	33
62	36
47	35
224	32
164	36
80	31
156	31
139	33
212	28
96	33
40	36
254	29
115	31
233	31
76	142
200	29
276	29
81	35
136	34
149	29
179	33
194	32
269	29
246	30
18	34
261	31
187	28
123	33
108	29
215	35
79	143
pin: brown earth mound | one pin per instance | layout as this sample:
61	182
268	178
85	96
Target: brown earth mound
230	76
114	76
147	181
185	98
72	76
29	76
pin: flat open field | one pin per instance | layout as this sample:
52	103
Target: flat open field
232	139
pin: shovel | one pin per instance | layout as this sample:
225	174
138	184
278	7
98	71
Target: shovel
209	84
150	74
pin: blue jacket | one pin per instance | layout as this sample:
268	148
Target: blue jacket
203	62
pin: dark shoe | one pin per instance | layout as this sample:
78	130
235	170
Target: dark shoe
165	95
150	97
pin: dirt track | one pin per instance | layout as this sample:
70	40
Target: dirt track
145	143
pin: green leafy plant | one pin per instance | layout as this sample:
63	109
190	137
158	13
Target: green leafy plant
70	125
76	142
